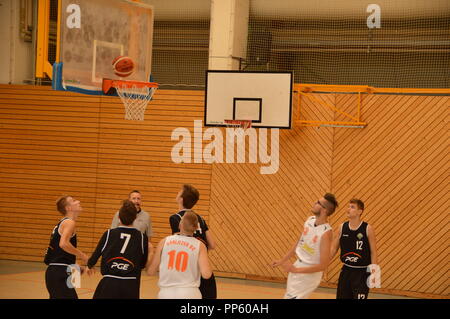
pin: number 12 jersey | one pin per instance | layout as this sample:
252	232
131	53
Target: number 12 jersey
355	248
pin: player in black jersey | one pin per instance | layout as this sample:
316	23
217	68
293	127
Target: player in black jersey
62	251
357	242
186	198
124	252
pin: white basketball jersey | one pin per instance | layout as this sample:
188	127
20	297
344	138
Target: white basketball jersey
308	247
179	262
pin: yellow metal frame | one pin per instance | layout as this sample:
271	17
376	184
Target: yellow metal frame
43	66
305	90
354	121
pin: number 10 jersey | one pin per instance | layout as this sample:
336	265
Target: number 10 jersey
179	262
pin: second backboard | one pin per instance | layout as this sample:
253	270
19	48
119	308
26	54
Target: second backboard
265	98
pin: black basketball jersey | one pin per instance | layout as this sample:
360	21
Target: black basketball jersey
355	248
55	254
200	233
124	252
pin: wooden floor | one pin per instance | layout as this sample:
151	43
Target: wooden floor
25	280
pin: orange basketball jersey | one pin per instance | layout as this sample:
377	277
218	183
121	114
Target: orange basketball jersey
179	262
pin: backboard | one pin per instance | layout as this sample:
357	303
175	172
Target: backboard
93	33
265	98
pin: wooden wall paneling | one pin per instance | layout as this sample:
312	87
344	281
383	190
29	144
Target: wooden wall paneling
417	170
395	152
38	163
240	218
260	215
57	142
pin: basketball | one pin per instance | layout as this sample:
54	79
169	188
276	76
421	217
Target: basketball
123	66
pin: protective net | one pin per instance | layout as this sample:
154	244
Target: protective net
402	43
180	43
397	44
391	44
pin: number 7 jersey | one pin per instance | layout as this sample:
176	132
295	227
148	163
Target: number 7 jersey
179	262
124	253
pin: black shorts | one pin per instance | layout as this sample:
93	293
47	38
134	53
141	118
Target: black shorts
56	281
352	283
208	288
114	288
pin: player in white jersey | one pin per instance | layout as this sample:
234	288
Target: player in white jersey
181	259
312	251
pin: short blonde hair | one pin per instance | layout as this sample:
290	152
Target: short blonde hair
190	221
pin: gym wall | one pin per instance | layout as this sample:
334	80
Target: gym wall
55	143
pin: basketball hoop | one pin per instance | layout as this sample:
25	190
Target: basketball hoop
135	96
244	124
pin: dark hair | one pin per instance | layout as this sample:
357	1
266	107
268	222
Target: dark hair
61	204
190	196
331	199
358	203
127	213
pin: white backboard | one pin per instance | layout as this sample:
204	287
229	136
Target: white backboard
265	98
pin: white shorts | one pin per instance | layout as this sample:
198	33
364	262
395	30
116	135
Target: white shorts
300	286
179	293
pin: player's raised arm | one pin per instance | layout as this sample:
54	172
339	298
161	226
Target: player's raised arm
335	242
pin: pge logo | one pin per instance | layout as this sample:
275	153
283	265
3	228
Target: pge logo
120	266
352	259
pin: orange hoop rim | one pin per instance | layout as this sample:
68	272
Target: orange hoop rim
109	83
241	123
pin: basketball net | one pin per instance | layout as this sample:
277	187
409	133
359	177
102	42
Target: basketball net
135	100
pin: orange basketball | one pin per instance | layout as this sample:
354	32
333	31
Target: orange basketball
123	66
